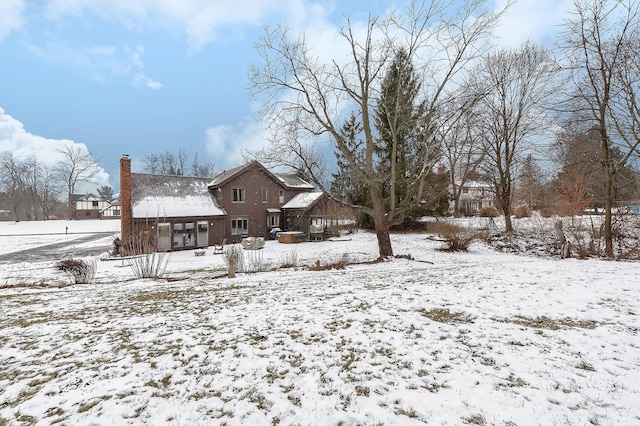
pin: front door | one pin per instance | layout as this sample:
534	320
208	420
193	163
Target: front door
203	233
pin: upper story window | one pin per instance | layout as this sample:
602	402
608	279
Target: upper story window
237	195
264	196
94	203
281	196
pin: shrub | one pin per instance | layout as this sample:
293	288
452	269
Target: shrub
149	265
145	261
237	252
289	259
78	270
255	261
489	211
457	238
522	210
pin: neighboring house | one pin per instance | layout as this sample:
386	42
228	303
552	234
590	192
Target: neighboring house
475	196
88	206
112	211
180	212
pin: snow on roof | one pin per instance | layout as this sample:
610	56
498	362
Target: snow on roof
293	181
303	201
171	196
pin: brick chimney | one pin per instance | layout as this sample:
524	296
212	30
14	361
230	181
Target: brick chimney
126	215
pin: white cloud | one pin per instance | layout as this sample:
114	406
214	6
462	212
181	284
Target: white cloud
141	80
22	144
226	144
10	16
535	20
96	62
201	21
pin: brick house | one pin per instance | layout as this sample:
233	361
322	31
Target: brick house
182	212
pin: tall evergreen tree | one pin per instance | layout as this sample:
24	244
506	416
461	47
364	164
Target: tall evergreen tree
399	120
106	192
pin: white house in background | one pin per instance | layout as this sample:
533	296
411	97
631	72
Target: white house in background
113	210
91	206
475	196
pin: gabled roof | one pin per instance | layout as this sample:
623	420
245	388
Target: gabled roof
228	175
288	180
157	196
304	201
85	197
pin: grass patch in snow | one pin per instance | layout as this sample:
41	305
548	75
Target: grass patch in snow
446	316
552	324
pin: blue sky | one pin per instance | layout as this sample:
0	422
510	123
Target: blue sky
136	77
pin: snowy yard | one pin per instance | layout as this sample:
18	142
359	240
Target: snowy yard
482	338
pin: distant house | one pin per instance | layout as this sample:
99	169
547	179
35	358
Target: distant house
181	212
88	206
112	211
475	196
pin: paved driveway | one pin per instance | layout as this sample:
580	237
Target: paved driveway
55	251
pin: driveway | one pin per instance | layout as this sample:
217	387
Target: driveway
56	251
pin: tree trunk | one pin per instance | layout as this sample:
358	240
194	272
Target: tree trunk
608	199
506	209
384	240
382	227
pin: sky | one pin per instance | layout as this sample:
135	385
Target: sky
121	77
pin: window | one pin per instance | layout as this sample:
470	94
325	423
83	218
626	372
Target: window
281	196
264	196
94	204
87	213
239	226
183	234
237	195
273	221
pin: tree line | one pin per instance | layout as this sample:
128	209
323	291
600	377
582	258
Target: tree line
31	188
424	89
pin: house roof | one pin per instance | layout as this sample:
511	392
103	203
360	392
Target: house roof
293	181
85	197
304	200
289	180
228	174
172	196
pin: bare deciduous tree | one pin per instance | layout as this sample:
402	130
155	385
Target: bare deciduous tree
601	41
308	99
517	83
462	147
12	179
77	166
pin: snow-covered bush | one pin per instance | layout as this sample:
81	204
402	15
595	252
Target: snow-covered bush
78	271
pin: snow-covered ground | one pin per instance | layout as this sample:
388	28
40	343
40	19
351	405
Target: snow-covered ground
442	338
